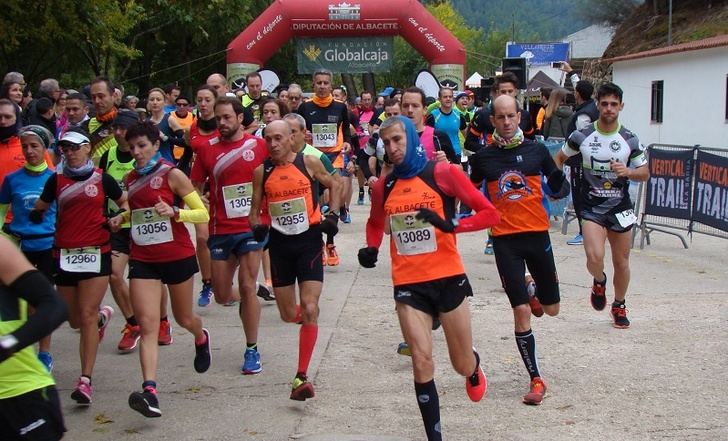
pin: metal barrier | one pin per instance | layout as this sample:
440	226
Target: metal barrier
680	217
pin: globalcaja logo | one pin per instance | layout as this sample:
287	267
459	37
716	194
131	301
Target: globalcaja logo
344	11
312	52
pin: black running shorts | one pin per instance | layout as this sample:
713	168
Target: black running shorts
513	252
170	273
296	257
436	296
66	278
121	241
608	221
33	416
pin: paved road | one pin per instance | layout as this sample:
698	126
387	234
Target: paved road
662	378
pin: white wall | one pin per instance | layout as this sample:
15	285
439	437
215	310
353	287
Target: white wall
694	100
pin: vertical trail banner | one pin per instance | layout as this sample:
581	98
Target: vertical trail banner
669	187
710	203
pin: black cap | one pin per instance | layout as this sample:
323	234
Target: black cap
125	118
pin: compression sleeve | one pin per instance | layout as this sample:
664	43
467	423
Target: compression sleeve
49	189
453	182
50	310
104	161
197	213
111	187
375	223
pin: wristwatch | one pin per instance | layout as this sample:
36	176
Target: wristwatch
8	342
176	211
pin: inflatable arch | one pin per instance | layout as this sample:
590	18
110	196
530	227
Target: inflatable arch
286	19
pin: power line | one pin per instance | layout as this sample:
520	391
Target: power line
175	66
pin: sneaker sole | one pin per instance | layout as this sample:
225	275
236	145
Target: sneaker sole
138	403
128	350
80	399
249	372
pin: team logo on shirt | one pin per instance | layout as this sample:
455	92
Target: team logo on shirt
91	190
156	182
615	146
513	186
248	155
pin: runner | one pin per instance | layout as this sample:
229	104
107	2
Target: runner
82	251
612	156
415	204
512	167
229	165
288	182
184	119
99	127
19	192
203	133
29	405
328	122
366	116
161	253
171	132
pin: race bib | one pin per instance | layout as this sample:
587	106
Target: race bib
289	217
324	135
412	236
149	227
237	199
626	218
81	260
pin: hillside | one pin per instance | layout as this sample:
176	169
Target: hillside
645	30
535	20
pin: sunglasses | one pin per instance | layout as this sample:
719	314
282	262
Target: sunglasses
69	146
183	104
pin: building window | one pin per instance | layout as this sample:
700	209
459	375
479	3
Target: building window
656	108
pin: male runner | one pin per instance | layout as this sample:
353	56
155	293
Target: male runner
512	167
415	204
288	182
229	165
612	156
99	127
328	122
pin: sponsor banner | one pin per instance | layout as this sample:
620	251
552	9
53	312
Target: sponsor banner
538	53
345	55
710	202
668	189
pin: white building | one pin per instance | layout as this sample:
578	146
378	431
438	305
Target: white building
676	94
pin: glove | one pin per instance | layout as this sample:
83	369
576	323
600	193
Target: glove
328	225
36	216
259	232
368	257
430	216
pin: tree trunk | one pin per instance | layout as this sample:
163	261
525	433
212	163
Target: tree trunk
367	80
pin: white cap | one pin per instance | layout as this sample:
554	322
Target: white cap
75	137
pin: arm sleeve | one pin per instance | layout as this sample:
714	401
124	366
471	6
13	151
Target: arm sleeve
49	190
197	213
463	122
375	223
582	121
572	146
103	162
472	137
476	173
50	309
111	187
453	182
527	126
430	120
443	141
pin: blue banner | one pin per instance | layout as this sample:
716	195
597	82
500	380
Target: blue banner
539	53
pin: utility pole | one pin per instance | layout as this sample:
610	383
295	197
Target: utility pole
669	23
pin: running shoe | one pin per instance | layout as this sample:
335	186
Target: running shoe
488	247
536	392
324	209
476	385
404	349
619	315
83	392
598	297
46	359
346	218
130	336
536	308
145	402
265	292
577	240
360	200
251	362
301	389
203	356
105	314
205	295
332	258
165	333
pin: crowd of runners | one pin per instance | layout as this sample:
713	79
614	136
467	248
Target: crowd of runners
96	189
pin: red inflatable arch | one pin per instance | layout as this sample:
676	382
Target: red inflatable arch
286	19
